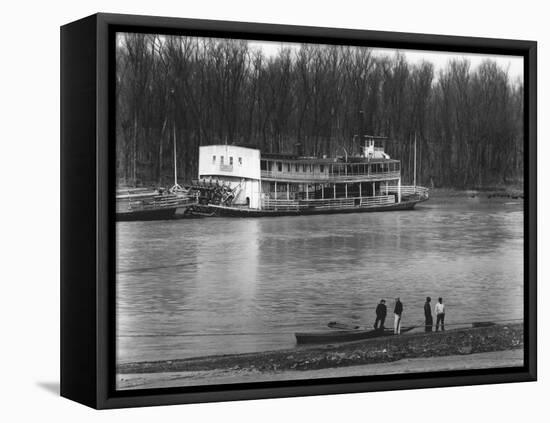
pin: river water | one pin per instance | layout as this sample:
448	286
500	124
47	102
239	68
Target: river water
196	287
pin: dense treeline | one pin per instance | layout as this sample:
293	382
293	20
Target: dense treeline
200	91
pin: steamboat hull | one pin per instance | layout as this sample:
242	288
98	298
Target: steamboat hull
223	211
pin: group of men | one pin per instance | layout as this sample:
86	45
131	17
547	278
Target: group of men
382	311
439	311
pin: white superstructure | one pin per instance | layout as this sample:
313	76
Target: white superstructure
236	166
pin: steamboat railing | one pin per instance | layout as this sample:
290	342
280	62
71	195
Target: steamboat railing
407	193
328	177
326	204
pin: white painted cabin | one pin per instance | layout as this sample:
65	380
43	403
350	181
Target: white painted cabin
236	166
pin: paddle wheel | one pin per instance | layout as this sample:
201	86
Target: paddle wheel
214	192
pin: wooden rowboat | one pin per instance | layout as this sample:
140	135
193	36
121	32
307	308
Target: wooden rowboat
335	336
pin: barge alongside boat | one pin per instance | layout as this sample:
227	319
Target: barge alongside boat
238	181
145	205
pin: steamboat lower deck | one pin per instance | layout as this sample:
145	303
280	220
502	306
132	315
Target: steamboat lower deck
305	209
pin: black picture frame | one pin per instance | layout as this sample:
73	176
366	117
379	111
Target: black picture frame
87	210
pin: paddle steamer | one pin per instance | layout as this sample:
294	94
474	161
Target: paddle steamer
241	181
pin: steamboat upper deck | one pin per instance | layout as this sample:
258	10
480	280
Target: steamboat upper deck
305	169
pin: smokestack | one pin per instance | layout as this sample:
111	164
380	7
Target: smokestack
361	128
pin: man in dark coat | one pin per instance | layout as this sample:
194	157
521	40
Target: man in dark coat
381	312
428	315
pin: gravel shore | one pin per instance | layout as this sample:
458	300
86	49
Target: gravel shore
495	359
485	347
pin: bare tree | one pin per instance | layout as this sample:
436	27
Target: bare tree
468	123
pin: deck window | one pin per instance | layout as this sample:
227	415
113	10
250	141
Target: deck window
240	161
288	167
304	167
221	159
297	168
322	168
231	161
213	159
263	165
279	166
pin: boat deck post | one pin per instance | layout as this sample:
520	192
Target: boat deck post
399	190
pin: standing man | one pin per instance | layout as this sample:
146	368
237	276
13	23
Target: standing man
440	315
381	311
397	311
428	315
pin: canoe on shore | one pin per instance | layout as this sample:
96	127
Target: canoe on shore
327	337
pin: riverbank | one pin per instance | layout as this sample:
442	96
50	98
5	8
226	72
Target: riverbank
375	356
496	359
513	191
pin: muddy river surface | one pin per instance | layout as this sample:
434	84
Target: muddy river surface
195	287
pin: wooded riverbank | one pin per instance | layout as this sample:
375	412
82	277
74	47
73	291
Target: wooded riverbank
463	124
514	191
